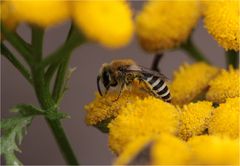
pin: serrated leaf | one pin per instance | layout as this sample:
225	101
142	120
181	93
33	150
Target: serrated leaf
13	131
27	110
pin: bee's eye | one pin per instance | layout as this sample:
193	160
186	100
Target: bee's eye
106	78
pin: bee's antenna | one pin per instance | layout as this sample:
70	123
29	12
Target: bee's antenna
98	85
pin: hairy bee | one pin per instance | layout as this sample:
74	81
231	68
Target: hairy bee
123	72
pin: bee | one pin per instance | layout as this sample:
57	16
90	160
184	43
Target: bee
124	71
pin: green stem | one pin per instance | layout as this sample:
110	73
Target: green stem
50	72
17	43
232	58
193	51
45	98
7	54
156	61
37	42
59	83
47	103
60	79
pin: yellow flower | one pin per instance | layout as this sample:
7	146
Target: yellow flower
7	15
190	81
132	150
105	107
194	119
166	24
214	150
107	22
41	13
225	120
149	116
170	150
225	85
163	149
222	22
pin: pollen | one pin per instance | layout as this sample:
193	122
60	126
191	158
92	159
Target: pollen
225	85
159	28
222	22
190	81
105	107
147	117
194	119
225	120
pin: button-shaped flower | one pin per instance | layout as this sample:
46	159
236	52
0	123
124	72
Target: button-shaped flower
222	22
147	117
164	25
190	81
225	85
225	120
194	119
107	22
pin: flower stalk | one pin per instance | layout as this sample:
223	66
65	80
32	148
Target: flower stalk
232	58
193	51
156	61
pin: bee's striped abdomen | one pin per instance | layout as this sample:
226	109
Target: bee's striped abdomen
158	87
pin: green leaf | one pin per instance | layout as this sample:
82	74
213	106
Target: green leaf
27	110
14	128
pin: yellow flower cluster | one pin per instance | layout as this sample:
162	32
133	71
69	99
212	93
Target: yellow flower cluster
159	28
225	85
107	22
194	119
225	120
166	149
104	107
222	22
190	81
175	134
213	150
149	117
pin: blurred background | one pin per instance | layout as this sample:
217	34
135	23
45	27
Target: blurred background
89	144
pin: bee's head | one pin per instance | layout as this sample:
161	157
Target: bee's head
107	78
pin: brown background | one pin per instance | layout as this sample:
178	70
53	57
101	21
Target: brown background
89	144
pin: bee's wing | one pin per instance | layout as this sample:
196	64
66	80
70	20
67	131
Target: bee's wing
146	71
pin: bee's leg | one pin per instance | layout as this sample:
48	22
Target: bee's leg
147	89
121	88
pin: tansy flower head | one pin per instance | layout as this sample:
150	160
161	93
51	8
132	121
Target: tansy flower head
225	120
105	107
159	28
225	85
194	119
222	22
107	22
163	149
41	13
214	150
149	116
189	81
